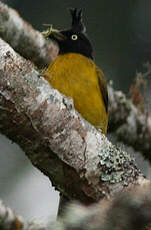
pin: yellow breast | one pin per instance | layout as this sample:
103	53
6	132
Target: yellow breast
75	76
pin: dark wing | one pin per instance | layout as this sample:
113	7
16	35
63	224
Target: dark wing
103	87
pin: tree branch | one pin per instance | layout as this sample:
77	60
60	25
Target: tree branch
129	124
78	159
24	39
9	221
127	210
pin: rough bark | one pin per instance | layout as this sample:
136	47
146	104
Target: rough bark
129	124
127	210
24	39
130	210
78	159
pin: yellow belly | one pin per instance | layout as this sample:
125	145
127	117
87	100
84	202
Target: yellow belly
75	76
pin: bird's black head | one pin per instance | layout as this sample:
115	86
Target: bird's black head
73	40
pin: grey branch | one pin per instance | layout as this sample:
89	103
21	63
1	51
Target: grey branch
128	210
9	221
128	123
24	39
78	159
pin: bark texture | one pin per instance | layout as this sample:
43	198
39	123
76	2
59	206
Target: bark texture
27	41
129	124
130	210
78	159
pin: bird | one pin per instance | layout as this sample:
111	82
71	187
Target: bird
74	73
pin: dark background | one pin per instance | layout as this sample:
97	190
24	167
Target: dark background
120	32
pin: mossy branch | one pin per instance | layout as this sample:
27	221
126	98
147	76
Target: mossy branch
78	159
128	123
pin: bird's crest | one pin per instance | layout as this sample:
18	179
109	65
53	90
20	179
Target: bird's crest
77	23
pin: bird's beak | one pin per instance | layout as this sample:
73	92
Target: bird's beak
54	34
57	35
